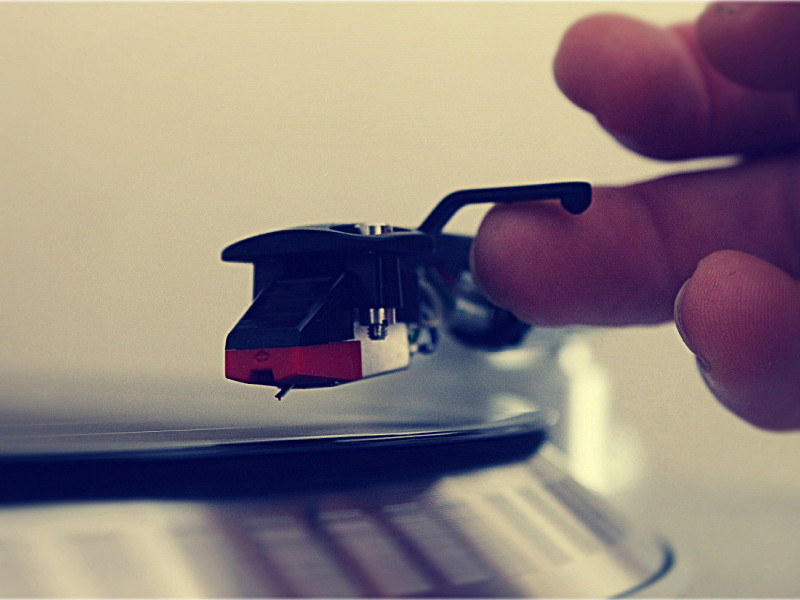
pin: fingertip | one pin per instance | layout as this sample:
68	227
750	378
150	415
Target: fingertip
598	52
518	259
570	67
741	317
640	81
490	258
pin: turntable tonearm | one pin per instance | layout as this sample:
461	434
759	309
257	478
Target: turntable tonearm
338	303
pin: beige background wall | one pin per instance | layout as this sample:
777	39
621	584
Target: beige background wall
136	141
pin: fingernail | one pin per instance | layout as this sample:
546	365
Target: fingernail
705	374
725	8
732	9
702	363
677	316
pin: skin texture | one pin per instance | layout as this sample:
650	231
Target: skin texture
718	251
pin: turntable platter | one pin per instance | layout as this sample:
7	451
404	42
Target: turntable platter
112	490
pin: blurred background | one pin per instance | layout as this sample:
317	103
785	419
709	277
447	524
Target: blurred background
137	140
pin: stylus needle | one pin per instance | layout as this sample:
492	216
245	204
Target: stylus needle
283	391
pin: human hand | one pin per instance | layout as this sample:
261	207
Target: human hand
718	250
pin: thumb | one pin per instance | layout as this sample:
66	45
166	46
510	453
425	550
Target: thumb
741	316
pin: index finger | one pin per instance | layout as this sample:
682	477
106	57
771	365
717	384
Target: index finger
623	261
